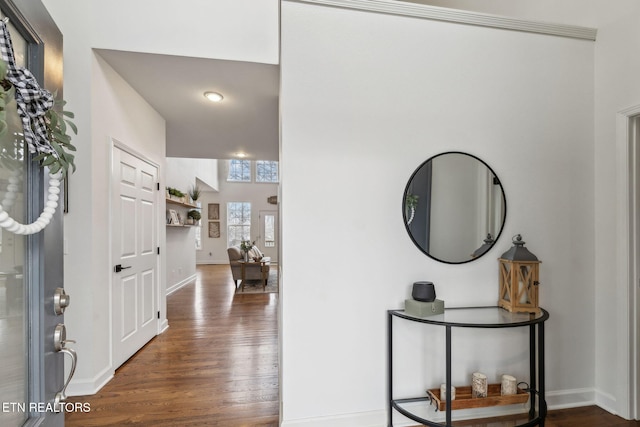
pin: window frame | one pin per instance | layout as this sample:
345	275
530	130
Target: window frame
245	218
270	164
244	164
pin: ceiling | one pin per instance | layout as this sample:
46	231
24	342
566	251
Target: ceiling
245	121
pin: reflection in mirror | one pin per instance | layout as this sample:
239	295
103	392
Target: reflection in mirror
454	207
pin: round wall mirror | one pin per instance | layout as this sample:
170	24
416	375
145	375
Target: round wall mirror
454	207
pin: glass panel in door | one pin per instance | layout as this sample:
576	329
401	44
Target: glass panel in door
14	347
269	234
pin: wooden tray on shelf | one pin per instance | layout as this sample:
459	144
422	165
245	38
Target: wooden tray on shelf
464	400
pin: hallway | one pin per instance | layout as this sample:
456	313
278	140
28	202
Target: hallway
216	365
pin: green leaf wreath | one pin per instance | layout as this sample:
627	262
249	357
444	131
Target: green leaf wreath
58	123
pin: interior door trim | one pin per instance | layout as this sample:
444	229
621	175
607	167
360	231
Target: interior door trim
393	7
628	267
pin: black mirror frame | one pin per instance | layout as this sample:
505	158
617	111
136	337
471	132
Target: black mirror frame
404	211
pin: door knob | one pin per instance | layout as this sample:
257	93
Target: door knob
60	301
118	268
59	342
60	337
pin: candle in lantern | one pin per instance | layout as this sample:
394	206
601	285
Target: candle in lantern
522	292
522	286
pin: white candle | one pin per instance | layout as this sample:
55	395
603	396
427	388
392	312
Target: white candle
509	385
478	385
443	392
522	291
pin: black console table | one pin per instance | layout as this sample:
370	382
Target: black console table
474	317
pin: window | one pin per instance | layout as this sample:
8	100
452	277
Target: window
266	171
239	171
238	222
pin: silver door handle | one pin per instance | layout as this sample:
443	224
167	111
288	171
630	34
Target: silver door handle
61	396
60	342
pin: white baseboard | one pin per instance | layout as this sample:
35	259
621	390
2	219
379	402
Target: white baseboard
555	400
80	387
211	262
571	398
171	289
164	325
606	402
361	419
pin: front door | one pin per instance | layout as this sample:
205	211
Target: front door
31	369
134	252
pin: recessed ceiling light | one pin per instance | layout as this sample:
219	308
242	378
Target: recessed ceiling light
213	96
241	155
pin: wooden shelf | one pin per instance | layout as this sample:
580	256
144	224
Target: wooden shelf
175	202
464	400
179	203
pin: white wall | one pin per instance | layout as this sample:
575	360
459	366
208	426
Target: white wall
183	174
387	93
214	250
239	30
87	269
105	107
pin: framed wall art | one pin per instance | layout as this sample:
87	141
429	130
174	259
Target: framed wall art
214	229
174	219
214	211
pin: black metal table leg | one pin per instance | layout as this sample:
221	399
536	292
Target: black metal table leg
448	344
532	370
390	368
542	402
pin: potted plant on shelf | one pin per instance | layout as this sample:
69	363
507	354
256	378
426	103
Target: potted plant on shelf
194	193
193	216
175	193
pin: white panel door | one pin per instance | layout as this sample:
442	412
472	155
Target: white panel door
134	253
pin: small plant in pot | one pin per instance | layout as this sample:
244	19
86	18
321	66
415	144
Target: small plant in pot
194	192
175	193
194	215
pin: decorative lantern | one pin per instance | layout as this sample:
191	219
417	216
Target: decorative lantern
519	279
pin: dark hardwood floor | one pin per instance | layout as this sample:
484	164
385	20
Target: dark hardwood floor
217	365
